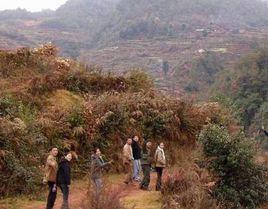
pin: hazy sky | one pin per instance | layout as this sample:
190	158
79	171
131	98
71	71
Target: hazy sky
31	5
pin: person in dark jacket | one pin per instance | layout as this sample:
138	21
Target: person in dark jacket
97	166
146	162
64	178
264	131
137	156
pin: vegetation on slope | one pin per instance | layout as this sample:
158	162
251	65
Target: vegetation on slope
50	101
249	93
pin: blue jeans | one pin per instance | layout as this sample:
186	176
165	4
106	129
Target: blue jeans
98	184
136	169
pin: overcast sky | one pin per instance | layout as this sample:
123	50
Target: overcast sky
31	5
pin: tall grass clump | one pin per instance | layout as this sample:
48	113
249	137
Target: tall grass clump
107	198
184	189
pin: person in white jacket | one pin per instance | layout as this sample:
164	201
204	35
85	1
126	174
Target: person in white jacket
128	161
160	164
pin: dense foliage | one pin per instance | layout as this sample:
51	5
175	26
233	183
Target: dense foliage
241	182
49	101
249	93
203	72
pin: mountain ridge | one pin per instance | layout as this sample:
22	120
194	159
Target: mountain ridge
126	34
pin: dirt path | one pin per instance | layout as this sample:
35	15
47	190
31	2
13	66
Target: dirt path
140	199
132	196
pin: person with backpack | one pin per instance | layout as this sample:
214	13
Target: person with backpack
128	161
64	178
160	164
97	166
137	156
146	162
51	168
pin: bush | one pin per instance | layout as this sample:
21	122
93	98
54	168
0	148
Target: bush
241	183
139	81
108	198
19	159
94	81
183	189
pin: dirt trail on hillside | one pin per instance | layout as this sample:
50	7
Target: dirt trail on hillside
132	196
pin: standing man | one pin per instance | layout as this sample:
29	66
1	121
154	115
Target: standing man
128	161
50	177
137	156
64	178
160	164
97	165
146	162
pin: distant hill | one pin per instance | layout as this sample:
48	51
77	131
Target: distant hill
150	18
99	22
123	34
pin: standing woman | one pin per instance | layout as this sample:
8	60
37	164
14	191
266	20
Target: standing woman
160	164
97	165
64	178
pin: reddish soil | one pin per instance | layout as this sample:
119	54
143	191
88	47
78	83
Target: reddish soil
78	194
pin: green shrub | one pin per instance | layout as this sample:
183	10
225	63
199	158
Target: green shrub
6	105
241	182
138	81
154	124
20	171
76	117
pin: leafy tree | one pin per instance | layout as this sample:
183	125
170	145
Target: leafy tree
249	85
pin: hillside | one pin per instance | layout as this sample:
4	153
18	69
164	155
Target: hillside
46	101
120	35
50	101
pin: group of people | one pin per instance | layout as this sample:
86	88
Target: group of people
58	175
137	157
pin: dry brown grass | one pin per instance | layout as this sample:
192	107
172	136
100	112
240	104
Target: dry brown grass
186	185
107	198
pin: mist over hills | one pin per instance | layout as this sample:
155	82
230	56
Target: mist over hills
123	34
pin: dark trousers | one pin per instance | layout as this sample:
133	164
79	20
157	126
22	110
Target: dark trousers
51	195
159	172
146	169
65	191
